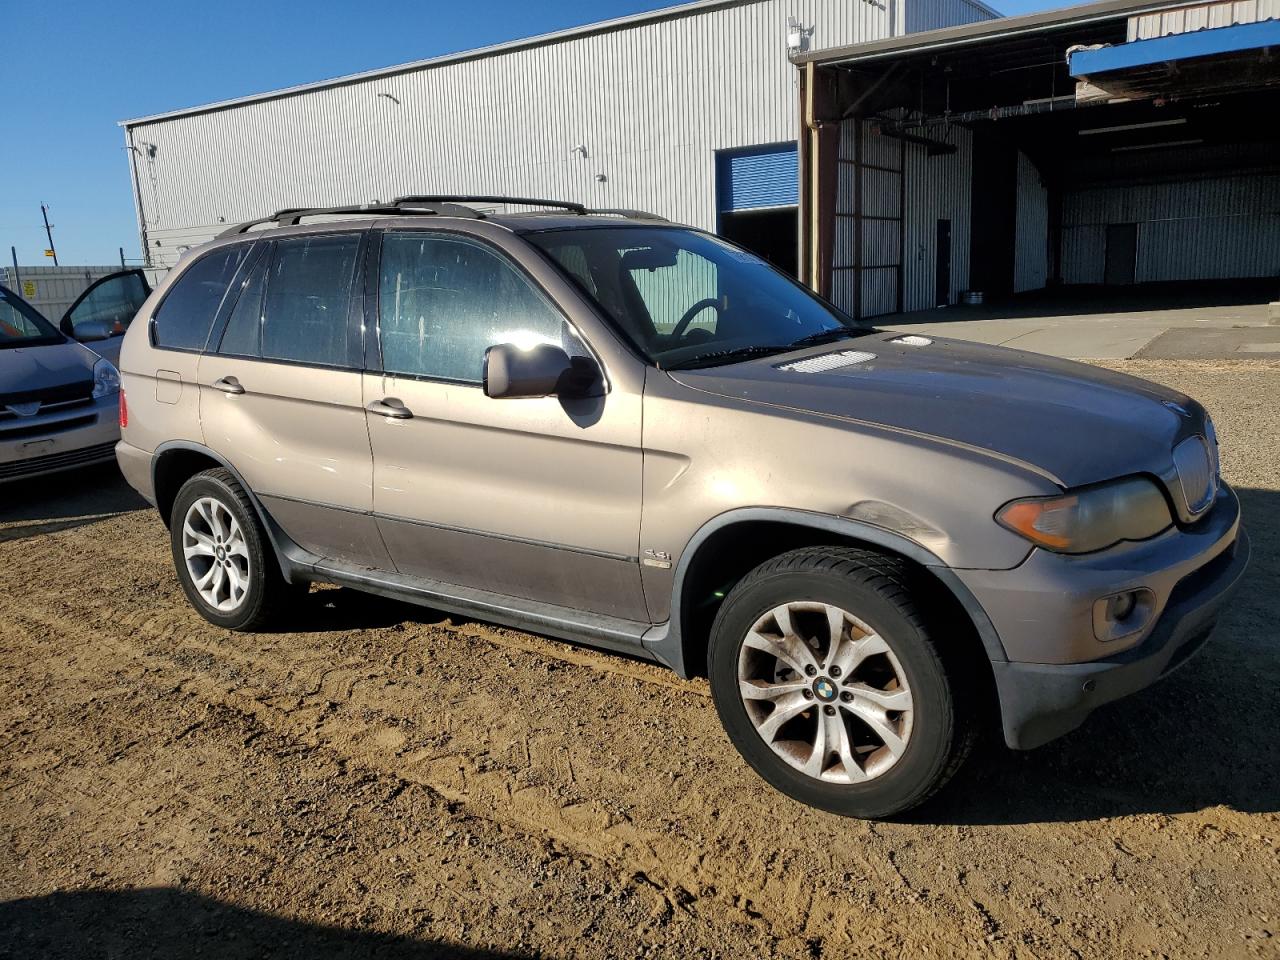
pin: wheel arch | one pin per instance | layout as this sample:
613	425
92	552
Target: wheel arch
176	461
728	546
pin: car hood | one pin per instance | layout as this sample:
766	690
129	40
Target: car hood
26	369
1077	423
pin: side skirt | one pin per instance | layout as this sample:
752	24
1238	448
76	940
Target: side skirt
595	630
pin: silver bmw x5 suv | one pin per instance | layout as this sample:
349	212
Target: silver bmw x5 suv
632	434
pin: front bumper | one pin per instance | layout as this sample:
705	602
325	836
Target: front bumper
49	443
1057	671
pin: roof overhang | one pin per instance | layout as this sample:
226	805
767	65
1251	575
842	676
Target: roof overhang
974	34
1243	38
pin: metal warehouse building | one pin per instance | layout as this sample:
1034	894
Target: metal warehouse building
891	153
1117	143
691	112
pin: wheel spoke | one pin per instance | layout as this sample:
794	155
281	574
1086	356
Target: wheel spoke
880	725
762	690
855	651
838	737
790	649
784	709
202	545
884	699
237	547
817	760
835	628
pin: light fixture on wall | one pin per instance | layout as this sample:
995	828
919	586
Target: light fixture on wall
797	37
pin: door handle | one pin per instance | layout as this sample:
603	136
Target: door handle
391	408
229	385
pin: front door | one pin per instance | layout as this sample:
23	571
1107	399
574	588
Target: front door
1121	254
109	304
942	278
531	498
281	395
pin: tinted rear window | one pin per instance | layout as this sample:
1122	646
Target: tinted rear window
304	316
187	313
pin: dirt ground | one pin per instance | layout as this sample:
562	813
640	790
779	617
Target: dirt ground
387	782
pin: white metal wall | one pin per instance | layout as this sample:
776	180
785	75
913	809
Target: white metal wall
1210	229
651	104
1031	243
1201	16
946	13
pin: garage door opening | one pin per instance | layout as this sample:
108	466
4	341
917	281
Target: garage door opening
757	196
1092	150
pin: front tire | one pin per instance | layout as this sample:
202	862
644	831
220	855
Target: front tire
222	556
830	684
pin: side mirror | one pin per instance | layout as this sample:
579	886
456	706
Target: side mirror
541	371
92	330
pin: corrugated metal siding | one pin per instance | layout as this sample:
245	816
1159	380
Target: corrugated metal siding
943	13
1216	228
1031	250
1201	17
759	178
936	188
652	104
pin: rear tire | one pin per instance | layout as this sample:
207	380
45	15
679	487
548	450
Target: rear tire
829	682
223	558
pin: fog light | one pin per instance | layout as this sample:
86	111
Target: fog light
1123	614
1121	605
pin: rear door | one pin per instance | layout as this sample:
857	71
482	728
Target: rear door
281	394
532	498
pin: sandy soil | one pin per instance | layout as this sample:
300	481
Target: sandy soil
383	781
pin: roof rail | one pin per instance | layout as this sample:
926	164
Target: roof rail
444	205
291	216
415	199
628	213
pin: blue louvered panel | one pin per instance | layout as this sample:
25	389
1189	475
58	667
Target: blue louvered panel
755	178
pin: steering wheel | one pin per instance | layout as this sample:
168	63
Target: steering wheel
683	324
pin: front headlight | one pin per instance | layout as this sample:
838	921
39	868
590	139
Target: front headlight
106	379
1090	518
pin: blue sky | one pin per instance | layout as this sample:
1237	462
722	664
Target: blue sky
70	70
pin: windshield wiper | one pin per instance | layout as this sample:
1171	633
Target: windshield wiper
825	336
719	357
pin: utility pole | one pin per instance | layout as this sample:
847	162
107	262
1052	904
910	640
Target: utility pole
17	274
48	232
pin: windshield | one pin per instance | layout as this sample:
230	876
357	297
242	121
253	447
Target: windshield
21	325
688	299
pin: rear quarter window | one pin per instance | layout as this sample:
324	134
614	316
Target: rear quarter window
186	314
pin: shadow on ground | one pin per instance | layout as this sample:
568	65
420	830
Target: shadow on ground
1202	737
64	501
164	923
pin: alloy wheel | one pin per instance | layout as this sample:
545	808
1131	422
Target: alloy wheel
216	554
825	692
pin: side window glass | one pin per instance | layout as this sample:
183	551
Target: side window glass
111	302
187	313
671	283
243	335
308	297
443	301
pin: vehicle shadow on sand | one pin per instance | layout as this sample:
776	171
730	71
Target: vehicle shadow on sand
163	922
64	501
1202	737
